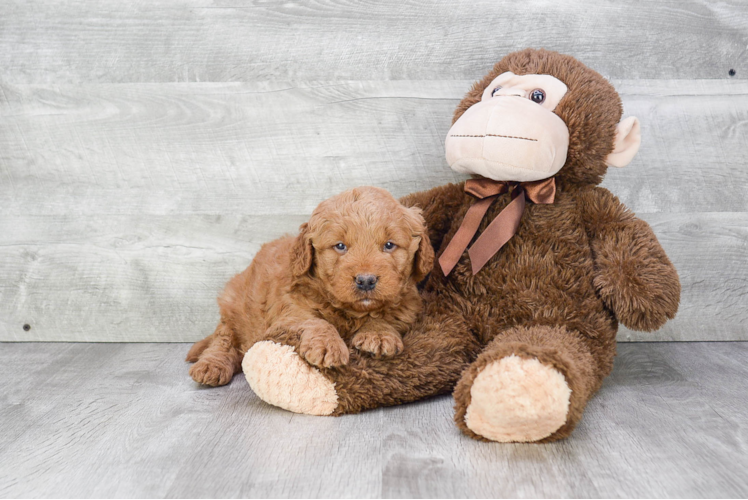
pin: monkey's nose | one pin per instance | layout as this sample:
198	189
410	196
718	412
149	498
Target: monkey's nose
366	282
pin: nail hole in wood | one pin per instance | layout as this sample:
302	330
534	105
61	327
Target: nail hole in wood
731	72
26	327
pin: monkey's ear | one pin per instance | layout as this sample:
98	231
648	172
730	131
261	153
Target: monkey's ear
302	254
626	143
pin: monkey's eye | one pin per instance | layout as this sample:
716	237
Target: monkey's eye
537	95
340	247
493	93
389	246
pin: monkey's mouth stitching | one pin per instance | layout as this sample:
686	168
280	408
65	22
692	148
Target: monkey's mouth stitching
497	135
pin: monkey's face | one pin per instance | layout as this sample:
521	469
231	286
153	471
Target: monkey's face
512	133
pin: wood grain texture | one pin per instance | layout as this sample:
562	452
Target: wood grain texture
694	143
217	148
125	420
710	252
120	278
127	207
156	278
84	41
275	148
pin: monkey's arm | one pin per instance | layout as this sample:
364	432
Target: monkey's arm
633	276
439	206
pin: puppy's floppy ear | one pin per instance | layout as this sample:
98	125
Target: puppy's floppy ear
423	260
302	254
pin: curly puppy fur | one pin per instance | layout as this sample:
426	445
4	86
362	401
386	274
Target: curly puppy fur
304	288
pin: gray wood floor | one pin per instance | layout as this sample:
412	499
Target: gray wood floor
125	420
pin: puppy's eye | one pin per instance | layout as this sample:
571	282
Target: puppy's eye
493	93
389	246
537	95
340	247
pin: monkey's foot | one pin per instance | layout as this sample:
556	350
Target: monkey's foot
516	399
278	375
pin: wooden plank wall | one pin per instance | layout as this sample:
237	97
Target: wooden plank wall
147	149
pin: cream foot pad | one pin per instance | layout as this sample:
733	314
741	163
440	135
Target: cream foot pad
280	377
517	399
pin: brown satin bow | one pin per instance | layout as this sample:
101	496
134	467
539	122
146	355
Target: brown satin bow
502	228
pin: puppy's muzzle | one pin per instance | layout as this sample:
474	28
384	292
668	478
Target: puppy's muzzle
366	282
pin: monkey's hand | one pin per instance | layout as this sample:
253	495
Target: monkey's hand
633	275
635	278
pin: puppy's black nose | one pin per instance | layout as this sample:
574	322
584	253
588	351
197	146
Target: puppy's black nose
366	282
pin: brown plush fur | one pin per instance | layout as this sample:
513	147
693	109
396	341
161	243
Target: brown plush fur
554	292
304	289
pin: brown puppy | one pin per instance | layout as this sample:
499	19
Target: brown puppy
350	274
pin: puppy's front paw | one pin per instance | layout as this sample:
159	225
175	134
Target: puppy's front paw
211	372
320	348
382	343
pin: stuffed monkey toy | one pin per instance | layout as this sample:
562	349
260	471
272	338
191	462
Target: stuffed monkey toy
537	266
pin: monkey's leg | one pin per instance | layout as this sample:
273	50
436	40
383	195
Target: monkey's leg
436	351
529	384
219	359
